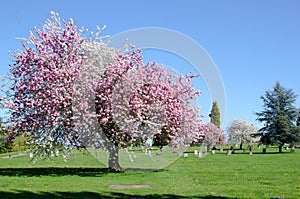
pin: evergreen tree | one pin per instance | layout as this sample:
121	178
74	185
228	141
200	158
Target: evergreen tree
215	114
279	116
298	120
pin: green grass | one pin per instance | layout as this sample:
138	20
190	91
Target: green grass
270	175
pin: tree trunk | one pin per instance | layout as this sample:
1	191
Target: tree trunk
113	160
241	146
208	148
280	148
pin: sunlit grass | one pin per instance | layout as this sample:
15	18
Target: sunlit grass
240	175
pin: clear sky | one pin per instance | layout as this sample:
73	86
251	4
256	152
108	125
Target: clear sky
254	43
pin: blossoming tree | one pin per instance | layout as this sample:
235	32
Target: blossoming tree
69	90
242	132
213	135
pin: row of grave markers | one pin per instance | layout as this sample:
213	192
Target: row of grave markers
201	154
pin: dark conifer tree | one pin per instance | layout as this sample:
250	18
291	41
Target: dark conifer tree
279	117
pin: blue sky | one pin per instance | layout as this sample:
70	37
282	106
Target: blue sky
253	43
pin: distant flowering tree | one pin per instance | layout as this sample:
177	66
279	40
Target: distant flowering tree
69	90
241	132
213	135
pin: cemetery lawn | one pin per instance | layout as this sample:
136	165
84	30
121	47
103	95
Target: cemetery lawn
239	175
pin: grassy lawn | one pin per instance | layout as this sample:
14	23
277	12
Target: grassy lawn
270	175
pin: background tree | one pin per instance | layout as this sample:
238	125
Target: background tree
212	136
278	116
19	143
215	114
6	142
240	131
297	129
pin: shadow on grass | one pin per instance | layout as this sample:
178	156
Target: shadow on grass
89	195
60	171
53	171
